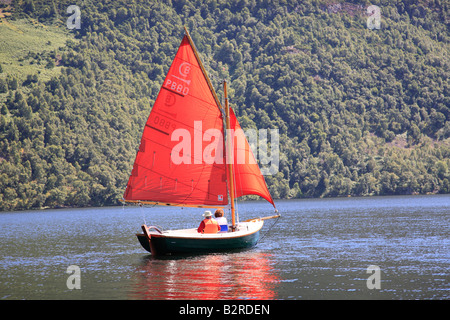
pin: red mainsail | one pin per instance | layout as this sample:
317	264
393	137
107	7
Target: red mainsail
181	158
187	104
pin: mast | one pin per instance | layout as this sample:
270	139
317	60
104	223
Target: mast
229	154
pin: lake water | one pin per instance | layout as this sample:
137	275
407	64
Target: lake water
319	249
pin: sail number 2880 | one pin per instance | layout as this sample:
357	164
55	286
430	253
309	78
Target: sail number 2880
164	123
177	87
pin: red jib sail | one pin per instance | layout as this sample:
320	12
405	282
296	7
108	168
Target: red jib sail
184	128
247	175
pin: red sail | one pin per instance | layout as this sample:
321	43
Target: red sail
184	127
247	175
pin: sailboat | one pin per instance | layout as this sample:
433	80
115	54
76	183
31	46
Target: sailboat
185	160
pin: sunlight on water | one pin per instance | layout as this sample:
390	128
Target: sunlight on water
319	249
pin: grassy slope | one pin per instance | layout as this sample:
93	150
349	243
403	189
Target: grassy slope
25	47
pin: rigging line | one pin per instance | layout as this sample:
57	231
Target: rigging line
141	206
265	234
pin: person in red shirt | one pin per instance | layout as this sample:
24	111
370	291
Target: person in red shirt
208	225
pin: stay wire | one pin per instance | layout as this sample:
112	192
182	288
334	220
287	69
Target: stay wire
265	234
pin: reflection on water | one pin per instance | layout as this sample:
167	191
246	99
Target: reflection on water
243	275
319	249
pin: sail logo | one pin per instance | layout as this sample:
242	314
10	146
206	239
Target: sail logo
191	150
184	69
179	83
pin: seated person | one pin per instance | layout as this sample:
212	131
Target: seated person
221	220
208	225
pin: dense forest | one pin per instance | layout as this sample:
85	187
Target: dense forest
360	111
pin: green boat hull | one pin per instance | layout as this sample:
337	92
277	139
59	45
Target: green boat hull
159	244
164	246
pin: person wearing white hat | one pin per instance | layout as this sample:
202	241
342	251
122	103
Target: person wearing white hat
208	225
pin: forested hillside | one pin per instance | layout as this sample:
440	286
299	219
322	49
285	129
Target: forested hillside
360	111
